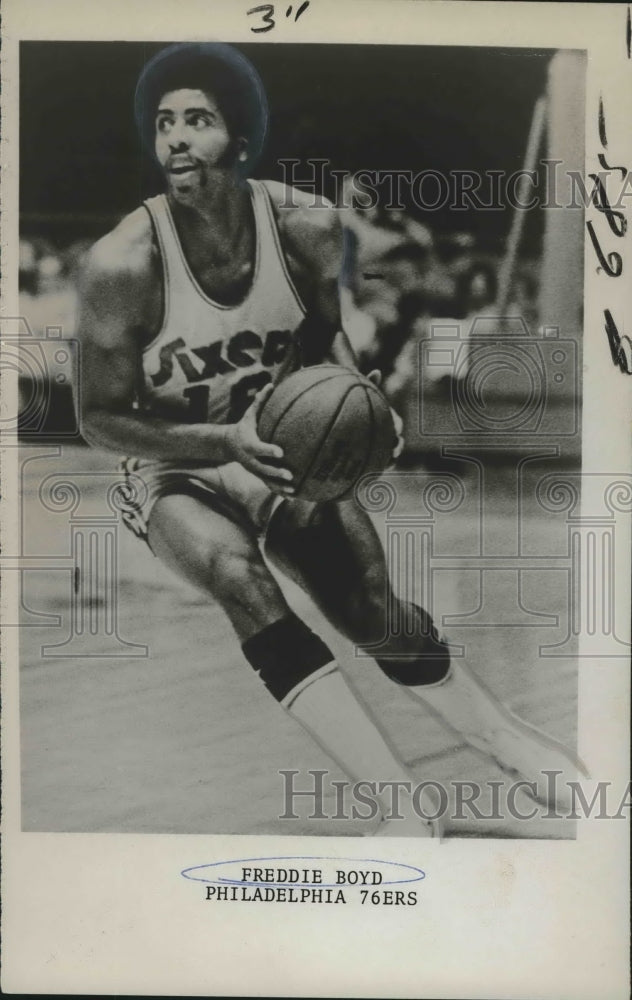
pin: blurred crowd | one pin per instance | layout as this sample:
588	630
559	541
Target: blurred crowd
48	276
402	282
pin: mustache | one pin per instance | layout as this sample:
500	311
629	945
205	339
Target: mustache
179	161
228	160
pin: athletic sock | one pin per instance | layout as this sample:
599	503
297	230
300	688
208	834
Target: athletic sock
331	712
463	701
300	672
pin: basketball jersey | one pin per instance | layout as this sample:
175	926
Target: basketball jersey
208	360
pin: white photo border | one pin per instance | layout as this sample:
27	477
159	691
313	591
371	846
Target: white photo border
106	913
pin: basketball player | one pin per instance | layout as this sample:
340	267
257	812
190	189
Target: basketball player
192	308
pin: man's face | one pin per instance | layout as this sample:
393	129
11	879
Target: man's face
192	140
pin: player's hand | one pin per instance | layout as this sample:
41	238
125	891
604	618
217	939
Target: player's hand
376	378
399	433
262	459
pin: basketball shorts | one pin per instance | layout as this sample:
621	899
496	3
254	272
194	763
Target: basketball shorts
228	489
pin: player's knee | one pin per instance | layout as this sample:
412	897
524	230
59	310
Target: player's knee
430	662
288	656
430	667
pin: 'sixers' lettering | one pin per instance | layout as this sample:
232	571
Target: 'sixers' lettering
244	349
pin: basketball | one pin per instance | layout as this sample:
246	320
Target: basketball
333	425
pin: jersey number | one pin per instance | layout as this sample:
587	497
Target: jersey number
241	396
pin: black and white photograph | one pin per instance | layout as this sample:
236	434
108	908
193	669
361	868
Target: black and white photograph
325	359
312	536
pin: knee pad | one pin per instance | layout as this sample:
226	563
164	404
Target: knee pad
430	666
287	655
423	670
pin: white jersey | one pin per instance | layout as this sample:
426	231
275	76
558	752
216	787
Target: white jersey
208	360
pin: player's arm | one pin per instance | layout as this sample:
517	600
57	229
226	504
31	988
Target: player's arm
117	300
314	243
318	244
328	263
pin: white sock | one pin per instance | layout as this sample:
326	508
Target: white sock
467	706
330	711
471	710
326	706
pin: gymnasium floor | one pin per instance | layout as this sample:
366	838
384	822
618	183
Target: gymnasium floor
186	740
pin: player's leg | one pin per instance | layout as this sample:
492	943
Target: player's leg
217	556
333	550
334	553
222	558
